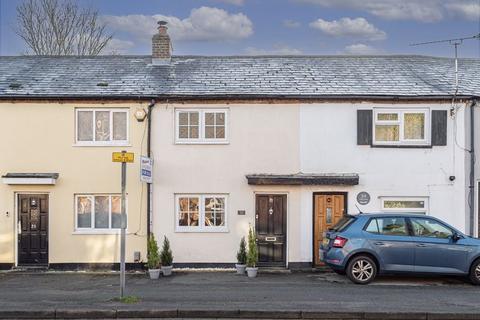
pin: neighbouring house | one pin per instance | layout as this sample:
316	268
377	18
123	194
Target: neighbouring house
285	144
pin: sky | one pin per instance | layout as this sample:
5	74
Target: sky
286	27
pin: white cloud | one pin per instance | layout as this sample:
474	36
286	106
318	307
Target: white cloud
466	9
291	24
278	49
118	46
361	49
421	10
234	2
203	24
346	27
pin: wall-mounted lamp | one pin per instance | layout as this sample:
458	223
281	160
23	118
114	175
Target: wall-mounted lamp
140	115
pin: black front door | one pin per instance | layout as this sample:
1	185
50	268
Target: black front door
33	229
271	229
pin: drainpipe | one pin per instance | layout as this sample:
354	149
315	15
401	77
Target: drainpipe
149	151
472	168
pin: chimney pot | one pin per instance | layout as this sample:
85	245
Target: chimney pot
161	45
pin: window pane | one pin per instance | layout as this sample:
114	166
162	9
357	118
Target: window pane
220	133
414	126
183	118
430	228
101	211
392	226
214	211
393	204
194	118
194	132
209	119
120	126
387	116
84	212
183	132
189	214
102	125
220	118
372	226
116	212
85	126
387	133
210	132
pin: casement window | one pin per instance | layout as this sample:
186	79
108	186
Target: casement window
413	127
98	212
409	127
101	126
201	126
201	213
405	204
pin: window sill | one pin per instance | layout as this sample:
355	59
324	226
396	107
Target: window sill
97	232
219	230
202	142
404	146
101	145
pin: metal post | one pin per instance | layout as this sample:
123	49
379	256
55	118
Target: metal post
123	231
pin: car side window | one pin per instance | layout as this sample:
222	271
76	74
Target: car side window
388	226
424	227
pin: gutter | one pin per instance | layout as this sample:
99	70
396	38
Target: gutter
149	152
471	191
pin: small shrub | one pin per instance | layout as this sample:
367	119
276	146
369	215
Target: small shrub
152	255
166	256
252	255
242	252
128	299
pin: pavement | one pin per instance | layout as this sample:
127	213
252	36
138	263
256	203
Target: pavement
227	295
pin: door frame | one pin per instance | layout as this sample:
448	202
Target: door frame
15	221
279	193
325	193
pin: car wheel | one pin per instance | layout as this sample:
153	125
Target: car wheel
361	270
475	272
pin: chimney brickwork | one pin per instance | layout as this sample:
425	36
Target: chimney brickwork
161	45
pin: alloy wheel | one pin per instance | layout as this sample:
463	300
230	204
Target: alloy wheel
477	272
362	270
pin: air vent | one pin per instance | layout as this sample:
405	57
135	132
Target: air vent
102	84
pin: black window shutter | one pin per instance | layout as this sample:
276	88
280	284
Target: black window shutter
439	127
364	127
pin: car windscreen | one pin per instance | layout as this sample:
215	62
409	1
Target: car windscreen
343	224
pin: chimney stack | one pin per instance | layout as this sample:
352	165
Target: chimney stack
161	45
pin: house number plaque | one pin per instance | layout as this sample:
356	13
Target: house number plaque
363	198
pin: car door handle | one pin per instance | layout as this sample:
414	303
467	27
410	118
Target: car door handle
379	243
422	245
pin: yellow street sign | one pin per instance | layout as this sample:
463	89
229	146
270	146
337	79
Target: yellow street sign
122	156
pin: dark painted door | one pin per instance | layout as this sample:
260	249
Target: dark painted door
33	229
271	228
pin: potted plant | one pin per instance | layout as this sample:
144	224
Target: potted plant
252	255
166	258
153	262
241	257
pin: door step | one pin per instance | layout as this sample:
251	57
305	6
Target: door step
274	270
30	269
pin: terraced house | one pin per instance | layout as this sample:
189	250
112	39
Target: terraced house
287	144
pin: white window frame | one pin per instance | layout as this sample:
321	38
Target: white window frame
201	126
103	143
92	229
400	123
201	227
424	210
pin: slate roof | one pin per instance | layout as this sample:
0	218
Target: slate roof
236	76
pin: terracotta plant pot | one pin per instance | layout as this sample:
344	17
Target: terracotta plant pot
154	273
167	270
240	268
252	272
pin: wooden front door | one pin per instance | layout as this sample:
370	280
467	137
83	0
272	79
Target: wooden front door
328	210
271	229
32	229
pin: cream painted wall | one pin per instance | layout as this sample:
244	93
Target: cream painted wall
40	137
262	139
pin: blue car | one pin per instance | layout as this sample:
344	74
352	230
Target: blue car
365	245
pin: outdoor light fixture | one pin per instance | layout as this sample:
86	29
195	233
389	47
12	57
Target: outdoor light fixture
140	115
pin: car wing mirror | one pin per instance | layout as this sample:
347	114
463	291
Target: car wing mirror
456	237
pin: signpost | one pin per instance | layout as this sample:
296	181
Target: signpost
123	157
